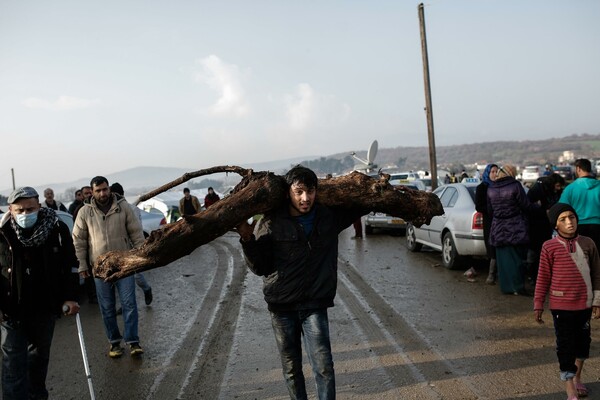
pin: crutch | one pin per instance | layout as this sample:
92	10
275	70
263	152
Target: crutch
83	352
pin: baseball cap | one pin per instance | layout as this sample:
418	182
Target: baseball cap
24	192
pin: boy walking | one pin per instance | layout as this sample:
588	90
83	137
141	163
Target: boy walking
570	274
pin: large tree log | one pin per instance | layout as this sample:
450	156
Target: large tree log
258	193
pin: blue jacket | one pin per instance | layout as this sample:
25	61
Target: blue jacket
583	194
509	207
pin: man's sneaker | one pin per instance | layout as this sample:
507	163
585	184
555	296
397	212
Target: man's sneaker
115	351
136	349
148	296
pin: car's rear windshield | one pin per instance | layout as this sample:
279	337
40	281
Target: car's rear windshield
472	190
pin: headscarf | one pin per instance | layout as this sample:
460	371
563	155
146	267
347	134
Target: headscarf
507	170
485	177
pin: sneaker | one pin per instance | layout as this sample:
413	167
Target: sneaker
115	351
148	296
136	349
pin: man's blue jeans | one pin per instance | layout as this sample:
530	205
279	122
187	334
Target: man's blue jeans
25	356
107	303
141	281
313	325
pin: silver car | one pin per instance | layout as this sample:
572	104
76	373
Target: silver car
382	221
457	233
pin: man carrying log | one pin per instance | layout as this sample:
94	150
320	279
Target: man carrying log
295	249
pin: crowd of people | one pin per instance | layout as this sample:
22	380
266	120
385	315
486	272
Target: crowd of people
43	262
548	238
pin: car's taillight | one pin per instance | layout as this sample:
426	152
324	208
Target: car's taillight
163	221
477	221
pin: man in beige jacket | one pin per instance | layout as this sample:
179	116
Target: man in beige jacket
108	223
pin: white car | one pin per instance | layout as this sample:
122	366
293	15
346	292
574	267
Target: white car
457	233
152	221
66	218
531	173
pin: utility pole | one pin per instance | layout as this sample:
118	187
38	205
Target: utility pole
428	106
12	172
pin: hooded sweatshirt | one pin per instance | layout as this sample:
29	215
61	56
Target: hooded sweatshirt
584	196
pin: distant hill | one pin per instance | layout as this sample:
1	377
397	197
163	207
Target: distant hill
142	179
520	153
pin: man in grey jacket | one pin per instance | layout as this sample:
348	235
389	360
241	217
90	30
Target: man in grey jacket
108	223
295	249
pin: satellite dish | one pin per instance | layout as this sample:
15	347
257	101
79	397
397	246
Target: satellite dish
372	152
367	165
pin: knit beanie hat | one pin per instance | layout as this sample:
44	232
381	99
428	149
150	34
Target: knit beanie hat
557	209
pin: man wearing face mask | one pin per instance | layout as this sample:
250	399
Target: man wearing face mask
37	260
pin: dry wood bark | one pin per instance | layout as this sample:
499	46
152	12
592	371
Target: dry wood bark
258	193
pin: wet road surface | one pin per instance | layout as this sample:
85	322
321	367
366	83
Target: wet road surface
403	328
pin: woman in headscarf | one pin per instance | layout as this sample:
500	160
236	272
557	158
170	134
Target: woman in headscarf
509	206
488	176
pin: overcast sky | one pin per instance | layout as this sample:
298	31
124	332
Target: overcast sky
95	87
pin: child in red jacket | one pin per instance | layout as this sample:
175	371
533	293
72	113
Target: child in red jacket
570	274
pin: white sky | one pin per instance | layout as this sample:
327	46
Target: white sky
95	87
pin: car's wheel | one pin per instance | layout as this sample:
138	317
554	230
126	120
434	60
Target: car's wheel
411	239
368	229
450	257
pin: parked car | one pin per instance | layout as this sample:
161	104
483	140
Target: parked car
66	218
152	221
566	171
408	176
385	222
166	204
427	182
531	173
458	233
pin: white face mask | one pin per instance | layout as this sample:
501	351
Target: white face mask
26	220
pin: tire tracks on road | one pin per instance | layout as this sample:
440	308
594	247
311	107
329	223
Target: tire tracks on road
196	368
404	353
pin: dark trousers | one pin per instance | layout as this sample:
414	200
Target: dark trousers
357	227
25	357
572	329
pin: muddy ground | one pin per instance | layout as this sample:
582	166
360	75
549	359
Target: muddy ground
403	328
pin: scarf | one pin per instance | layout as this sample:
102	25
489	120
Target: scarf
485	177
47	218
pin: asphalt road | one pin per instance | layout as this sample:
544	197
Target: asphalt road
403	328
